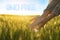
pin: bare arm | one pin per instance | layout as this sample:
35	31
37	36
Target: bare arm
54	13
52	6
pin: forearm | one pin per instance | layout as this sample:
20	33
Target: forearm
45	20
50	8
51	11
54	13
52	5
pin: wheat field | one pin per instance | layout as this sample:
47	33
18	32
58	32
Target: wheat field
14	27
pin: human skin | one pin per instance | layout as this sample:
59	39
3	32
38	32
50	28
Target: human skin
51	11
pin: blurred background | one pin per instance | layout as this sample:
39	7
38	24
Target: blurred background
23	7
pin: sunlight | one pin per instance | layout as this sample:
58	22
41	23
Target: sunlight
22	7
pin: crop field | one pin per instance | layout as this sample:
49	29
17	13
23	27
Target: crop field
14	27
